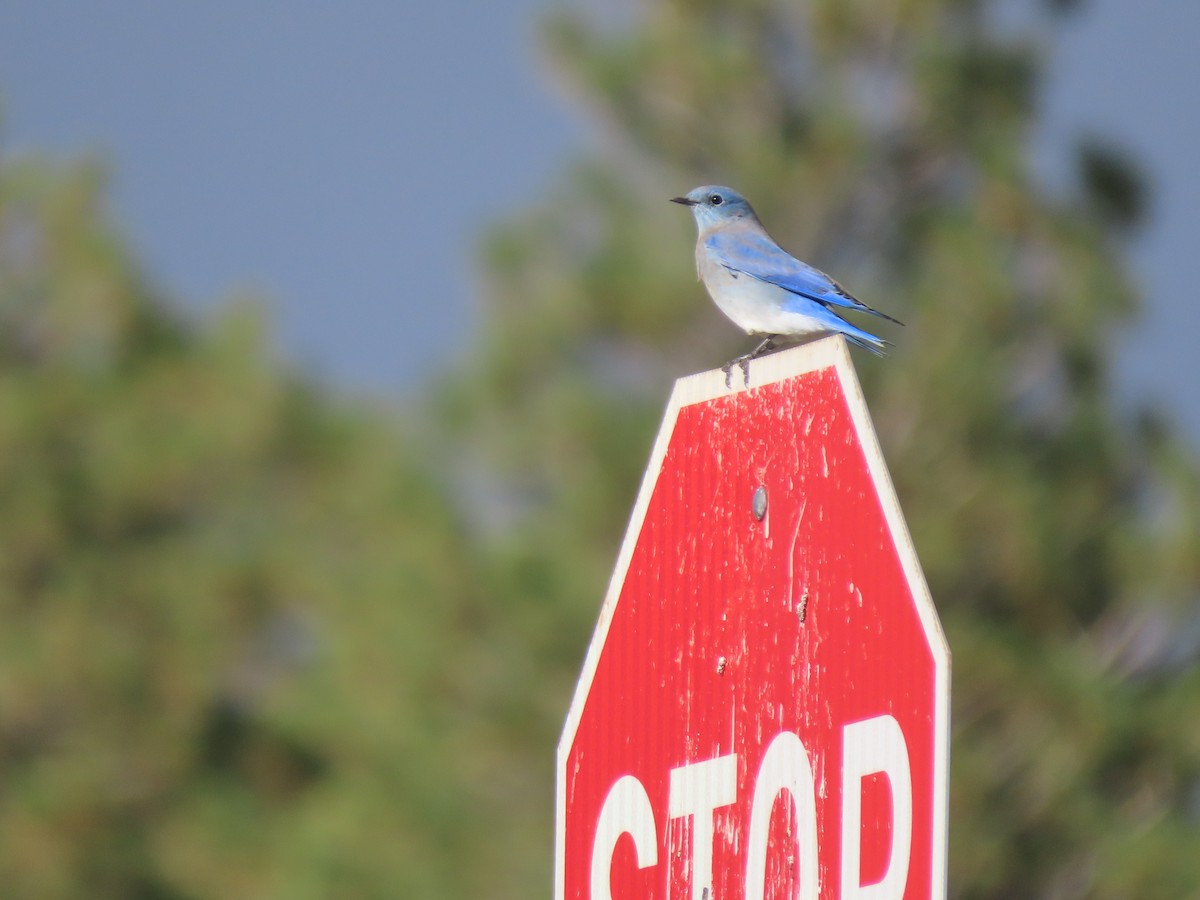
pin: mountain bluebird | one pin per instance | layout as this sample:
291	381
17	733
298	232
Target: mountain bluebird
763	289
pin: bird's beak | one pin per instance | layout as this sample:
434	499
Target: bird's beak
684	200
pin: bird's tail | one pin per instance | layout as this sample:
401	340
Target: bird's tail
875	312
880	349
864	339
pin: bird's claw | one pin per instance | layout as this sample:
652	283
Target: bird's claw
742	362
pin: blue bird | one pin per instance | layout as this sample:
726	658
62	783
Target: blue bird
763	289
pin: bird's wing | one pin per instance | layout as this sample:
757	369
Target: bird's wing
753	253
820	312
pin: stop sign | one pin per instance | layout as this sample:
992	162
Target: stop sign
763	711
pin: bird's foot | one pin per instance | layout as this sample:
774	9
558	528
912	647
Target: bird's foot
742	362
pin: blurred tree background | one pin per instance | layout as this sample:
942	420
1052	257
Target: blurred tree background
263	641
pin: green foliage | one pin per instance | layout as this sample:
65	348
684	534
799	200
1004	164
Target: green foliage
1112	183
245	647
889	143
259	641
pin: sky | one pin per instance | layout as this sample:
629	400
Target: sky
344	165
1129	71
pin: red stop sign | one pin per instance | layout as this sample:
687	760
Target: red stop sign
763	712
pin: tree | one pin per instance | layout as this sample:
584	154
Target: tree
244	649
888	143
262	641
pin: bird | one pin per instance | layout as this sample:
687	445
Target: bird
762	288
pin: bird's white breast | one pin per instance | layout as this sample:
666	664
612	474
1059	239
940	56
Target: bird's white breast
756	307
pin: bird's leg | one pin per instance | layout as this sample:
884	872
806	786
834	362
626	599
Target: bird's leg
767	344
743	361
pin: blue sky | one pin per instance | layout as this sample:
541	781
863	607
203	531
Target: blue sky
343	164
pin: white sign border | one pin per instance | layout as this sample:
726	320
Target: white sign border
704	386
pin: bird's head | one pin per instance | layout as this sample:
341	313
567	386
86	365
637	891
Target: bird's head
712	204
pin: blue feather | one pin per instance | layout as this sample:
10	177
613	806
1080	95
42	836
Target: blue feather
831	320
752	252
759	286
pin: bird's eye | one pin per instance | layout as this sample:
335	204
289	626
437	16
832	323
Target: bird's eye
716	199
